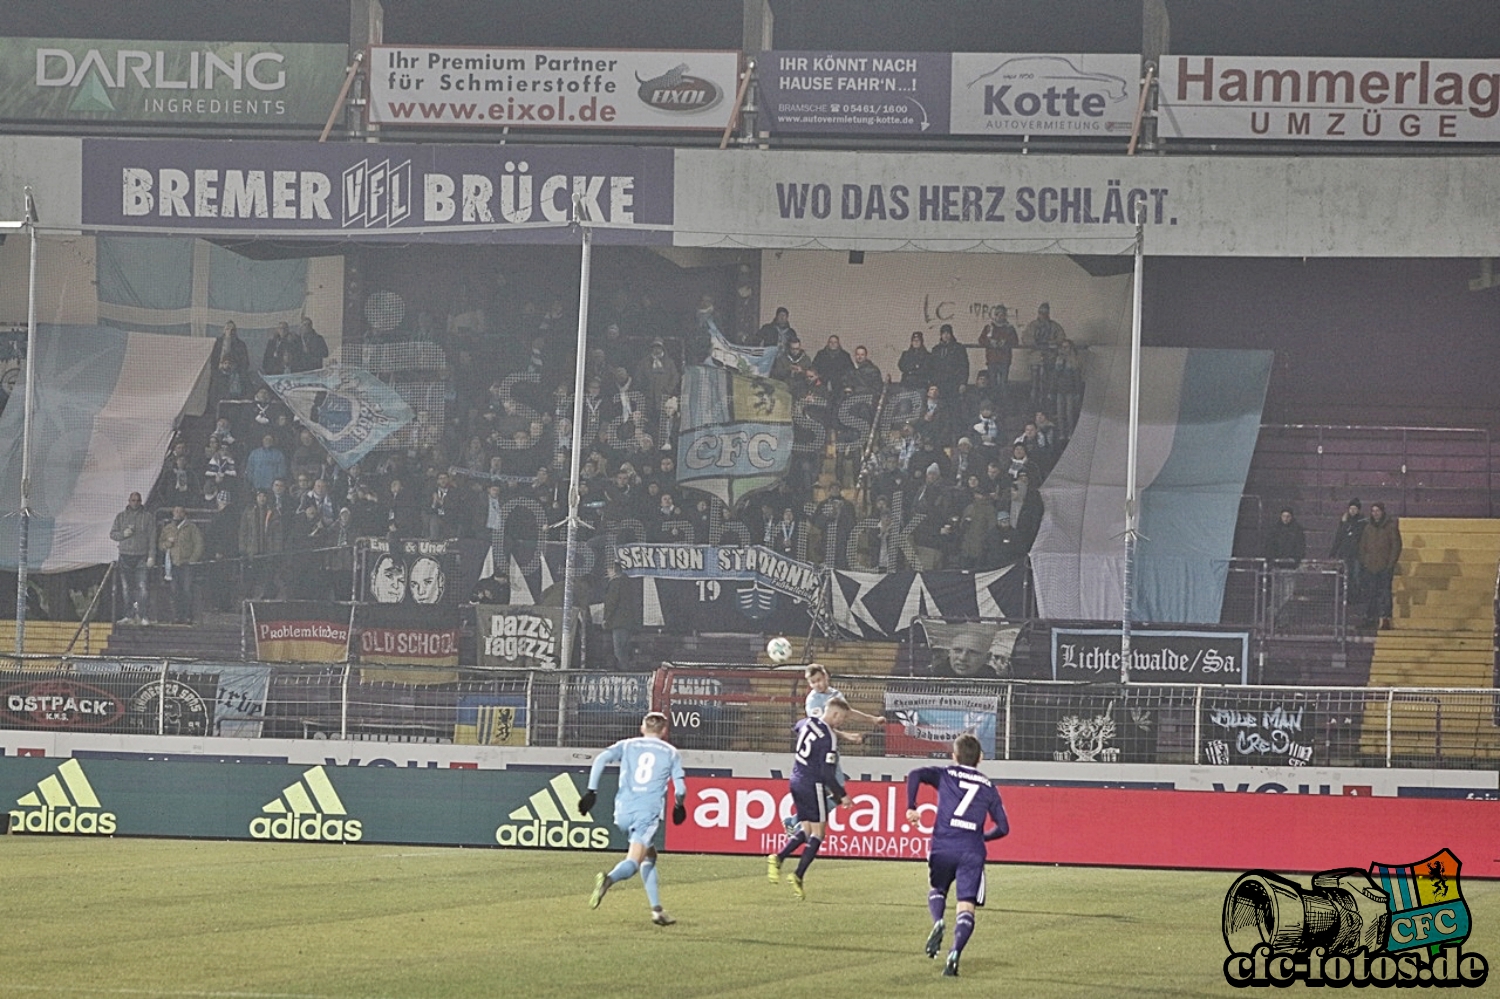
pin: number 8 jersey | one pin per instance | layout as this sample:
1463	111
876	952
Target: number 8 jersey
646	765
965	798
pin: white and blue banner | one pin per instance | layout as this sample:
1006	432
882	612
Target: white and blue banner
348	409
799	580
756	361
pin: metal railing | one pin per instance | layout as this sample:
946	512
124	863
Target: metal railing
752	710
1305	601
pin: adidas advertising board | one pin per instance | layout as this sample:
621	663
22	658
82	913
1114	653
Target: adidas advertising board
309	810
63	803
550	819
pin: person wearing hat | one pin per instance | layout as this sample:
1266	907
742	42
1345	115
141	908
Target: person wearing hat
657	377
1345	548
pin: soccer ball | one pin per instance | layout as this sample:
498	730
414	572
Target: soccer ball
779	650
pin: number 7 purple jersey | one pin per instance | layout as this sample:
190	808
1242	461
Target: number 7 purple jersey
965	798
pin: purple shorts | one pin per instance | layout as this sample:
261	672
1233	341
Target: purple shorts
965	868
810	802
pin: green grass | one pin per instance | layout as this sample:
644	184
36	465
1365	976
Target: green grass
131	917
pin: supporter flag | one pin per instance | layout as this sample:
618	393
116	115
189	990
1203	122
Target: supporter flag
348	409
103	410
736	434
409	636
745	360
301	631
1199	420
1426	895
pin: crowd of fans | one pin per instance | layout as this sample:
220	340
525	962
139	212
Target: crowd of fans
935	465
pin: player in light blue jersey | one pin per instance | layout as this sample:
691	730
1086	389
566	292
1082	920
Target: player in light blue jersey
820	691
646	765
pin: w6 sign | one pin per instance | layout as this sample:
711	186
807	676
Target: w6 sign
743	815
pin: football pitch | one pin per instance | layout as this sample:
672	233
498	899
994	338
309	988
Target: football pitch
133	917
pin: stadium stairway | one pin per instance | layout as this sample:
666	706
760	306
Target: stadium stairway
1443	637
215	637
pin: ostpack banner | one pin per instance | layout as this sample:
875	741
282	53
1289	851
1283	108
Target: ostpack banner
1288	98
301	631
863	93
736	433
927	724
551	88
348	410
396	191
112	698
278	802
1044	94
1155	656
529	637
419	573
185	83
406	634
800	580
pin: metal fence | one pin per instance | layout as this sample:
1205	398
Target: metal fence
752	709
1307	601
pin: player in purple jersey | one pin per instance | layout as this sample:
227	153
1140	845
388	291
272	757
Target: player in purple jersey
965	798
815	779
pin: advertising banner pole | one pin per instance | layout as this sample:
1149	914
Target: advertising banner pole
1132	501
570	563
23	534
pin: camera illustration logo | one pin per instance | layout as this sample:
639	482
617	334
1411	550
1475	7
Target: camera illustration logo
1391	925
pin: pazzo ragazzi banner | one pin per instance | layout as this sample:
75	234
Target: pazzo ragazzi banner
551	88
185	83
471	193
960	93
1155	656
528	637
1287	98
800	580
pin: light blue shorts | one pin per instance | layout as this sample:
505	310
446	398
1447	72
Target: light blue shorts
641	828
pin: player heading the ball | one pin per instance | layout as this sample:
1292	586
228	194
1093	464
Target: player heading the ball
646	765
965	798
815	781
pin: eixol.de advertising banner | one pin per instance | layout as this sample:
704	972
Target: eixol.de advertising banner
200	83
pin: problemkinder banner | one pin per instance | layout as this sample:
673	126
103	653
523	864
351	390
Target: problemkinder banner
393	191
184	83
301	631
551	88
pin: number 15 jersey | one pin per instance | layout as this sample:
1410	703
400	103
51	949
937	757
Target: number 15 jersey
965	799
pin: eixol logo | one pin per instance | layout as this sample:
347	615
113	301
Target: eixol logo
552	819
63	803
308	810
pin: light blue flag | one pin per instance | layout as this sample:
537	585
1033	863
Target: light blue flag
746	360
347	408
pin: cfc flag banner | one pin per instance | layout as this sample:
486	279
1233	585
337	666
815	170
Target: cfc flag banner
736	433
348	409
1426	904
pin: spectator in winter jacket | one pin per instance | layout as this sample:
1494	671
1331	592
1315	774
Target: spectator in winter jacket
1379	551
134	530
1346	549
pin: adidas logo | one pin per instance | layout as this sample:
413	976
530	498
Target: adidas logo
63	803
550	818
309	810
